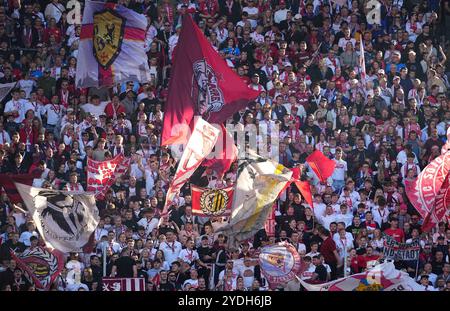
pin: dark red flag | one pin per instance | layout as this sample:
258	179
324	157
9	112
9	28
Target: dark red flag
7	183
321	165
225	154
201	84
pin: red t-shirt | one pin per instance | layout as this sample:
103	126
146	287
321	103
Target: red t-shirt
327	250
397	234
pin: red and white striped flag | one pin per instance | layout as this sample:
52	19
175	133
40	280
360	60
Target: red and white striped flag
123	284
362	62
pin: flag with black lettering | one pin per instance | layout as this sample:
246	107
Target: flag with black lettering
394	250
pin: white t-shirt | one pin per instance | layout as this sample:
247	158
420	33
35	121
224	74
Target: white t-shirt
148	225
53	113
27	86
339	170
251	11
250	272
25	237
189	256
15	105
171	250
95	110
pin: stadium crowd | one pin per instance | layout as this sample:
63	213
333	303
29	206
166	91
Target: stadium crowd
304	57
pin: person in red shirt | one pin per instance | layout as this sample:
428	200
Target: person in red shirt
329	252
394	231
114	108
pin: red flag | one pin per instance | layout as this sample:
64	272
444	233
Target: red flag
225	154
321	165
201	84
7	183
211	202
440	207
305	190
303	186
269	226
429	189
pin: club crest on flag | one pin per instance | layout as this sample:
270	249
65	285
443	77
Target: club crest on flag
279	263
108	36
214	202
205	88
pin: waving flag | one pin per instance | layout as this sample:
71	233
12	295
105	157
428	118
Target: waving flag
65	219
362	62
211	202
40	265
383	277
111	46
258	185
321	165
302	185
429	189
101	175
204	85
7	183
198	147
225	154
441	208
279	263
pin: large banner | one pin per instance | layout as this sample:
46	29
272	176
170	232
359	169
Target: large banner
211	202
40	265
279	263
258	185
383	277
205	85
426	189
102	174
65	219
200	144
400	251
111	49
123	284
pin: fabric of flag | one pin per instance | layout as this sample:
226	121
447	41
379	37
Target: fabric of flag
225	153
441	208
446	147
5	88
279	263
200	144
258	185
101	175
123	284
269	226
64	219
204	85
425	191
362	62
303	185
40	265
211	202
7	183
111	48
321	165
383	277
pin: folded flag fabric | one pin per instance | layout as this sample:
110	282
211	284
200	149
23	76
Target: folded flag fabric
7	183
321	165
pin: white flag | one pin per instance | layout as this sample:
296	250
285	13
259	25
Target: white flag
383	277
258	186
362	63
200	144
65	219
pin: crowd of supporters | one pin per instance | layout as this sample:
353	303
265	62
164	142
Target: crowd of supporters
305	58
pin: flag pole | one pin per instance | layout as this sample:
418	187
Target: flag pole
104	259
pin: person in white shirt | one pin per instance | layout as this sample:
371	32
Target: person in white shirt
281	14
170	247
26	235
343	245
14	107
54	10
149	222
340	171
344	40
26	84
95	107
426	284
33	104
344	216
54	112
173	40
189	254
381	214
253	13
314	250
319	207
247	271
